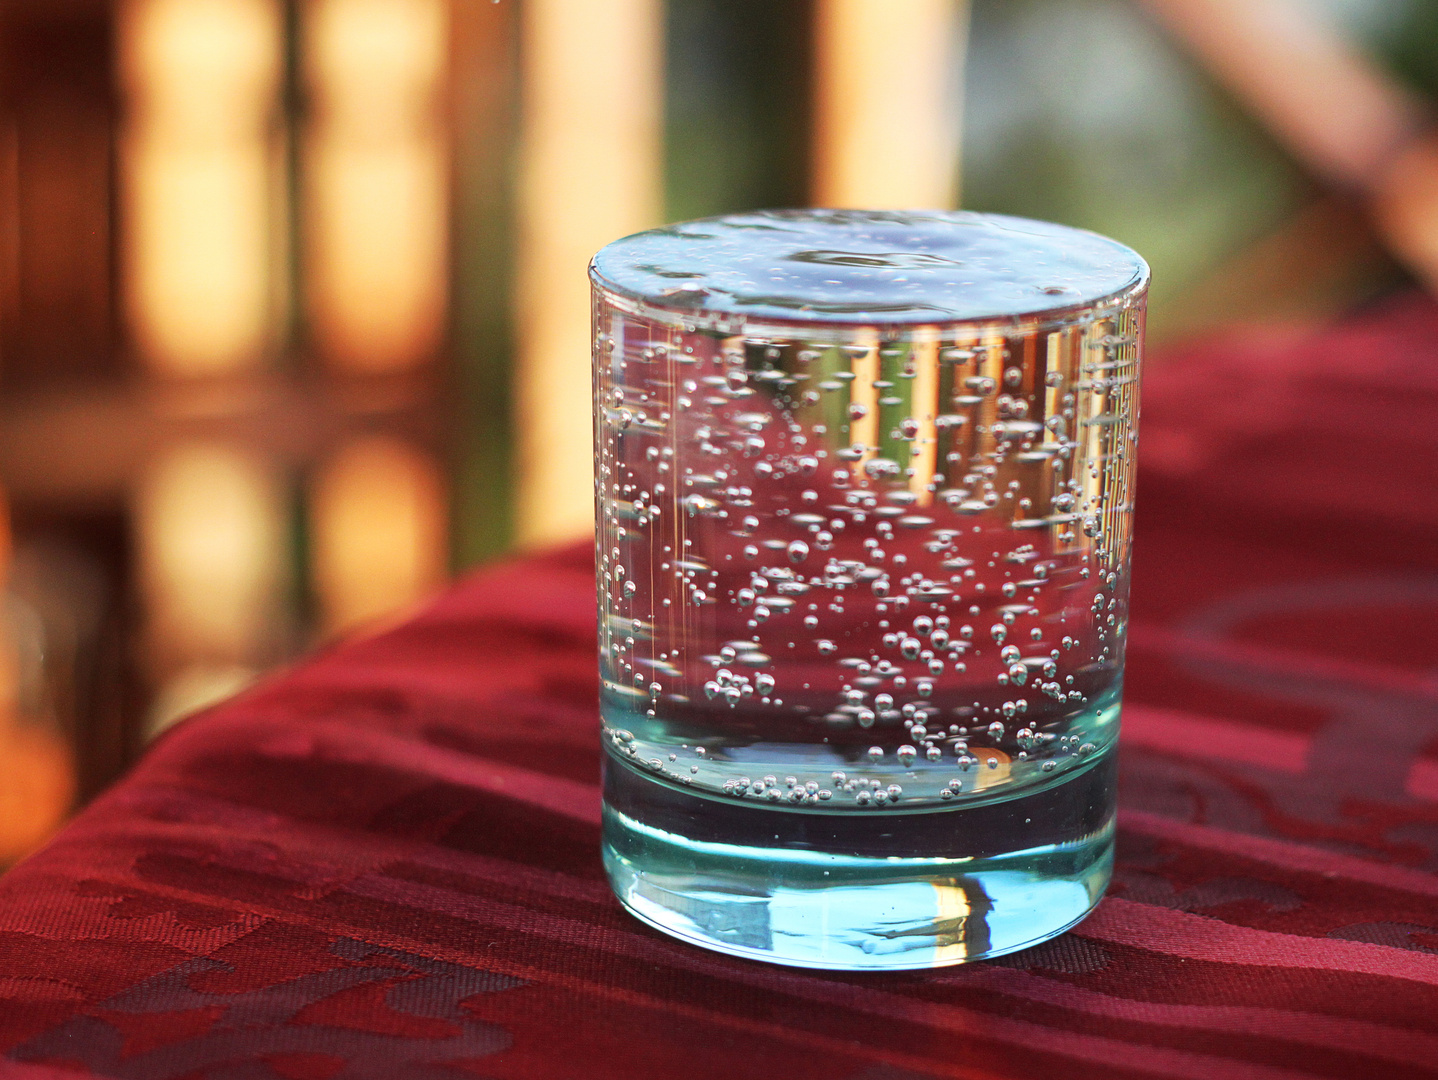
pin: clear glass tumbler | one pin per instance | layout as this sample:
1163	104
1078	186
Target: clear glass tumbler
865	492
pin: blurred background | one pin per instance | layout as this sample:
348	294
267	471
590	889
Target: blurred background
293	313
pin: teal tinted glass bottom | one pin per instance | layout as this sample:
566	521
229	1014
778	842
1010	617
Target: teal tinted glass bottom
860	890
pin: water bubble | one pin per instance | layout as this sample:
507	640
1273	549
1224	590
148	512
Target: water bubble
826	647
858	410
745	597
909	427
865	717
1018	674
923	624
933	753
863	798
906	755
999	632
882	468
876	753
1010	654
996	729
630	588
798	551
811	621
910	647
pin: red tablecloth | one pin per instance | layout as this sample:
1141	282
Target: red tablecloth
384	863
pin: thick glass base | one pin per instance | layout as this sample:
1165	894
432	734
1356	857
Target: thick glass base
869	891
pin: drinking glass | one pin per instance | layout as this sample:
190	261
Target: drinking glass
864	484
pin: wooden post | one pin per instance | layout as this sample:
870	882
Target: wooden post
888	84
590	173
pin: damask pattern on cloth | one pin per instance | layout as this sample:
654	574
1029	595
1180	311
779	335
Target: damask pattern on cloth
384	863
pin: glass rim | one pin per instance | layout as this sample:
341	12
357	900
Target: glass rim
839	331
721	309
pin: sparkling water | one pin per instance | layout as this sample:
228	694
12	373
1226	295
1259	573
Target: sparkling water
865	489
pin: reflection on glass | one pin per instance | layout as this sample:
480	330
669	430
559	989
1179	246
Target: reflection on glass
210	529
378	518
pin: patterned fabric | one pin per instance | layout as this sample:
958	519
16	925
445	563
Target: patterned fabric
385	862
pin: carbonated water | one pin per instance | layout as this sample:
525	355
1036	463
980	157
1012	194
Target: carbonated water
865	487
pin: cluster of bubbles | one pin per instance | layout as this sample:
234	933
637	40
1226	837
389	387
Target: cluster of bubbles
707	463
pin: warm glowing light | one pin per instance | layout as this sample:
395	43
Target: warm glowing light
194	687
37	774
925	461
378	518
376	181
590	174
37	786
888	80
210	526
201	186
